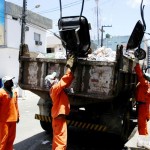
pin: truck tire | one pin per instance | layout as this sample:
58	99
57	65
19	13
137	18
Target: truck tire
47	126
125	126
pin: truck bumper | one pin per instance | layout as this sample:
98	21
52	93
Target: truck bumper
78	124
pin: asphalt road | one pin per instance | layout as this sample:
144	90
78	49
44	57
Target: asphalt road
29	131
30	135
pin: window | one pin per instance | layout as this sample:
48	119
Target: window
14	18
50	50
37	37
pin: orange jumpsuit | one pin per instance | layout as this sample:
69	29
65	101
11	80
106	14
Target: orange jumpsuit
9	115
60	108
143	98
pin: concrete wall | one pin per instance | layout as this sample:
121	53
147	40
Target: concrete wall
54	42
12	32
9	64
13	35
31	42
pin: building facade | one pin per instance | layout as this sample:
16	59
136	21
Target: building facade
112	42
35	37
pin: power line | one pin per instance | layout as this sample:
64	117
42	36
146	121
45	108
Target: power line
65	6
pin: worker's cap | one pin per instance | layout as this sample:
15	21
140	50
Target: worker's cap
6	78
50	79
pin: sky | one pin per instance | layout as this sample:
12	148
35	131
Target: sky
121	15
1	13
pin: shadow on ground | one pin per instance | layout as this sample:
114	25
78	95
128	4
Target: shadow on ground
35	142
89	140
77	140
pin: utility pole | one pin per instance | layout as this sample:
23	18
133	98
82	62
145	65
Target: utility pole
97	17
24	14
102	33
97	24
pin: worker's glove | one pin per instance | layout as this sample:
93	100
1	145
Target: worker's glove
72	62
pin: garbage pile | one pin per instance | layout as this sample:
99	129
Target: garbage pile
103	54
100	54
56	55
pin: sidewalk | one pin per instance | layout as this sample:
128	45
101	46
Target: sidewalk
132	143
25	94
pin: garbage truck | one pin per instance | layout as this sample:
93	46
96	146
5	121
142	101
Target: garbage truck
103	91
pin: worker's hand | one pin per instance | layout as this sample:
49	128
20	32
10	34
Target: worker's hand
18	120
71	62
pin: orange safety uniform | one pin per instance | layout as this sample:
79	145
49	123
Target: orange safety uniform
143	98
9	115
60	108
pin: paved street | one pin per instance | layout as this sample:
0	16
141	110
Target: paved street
29	131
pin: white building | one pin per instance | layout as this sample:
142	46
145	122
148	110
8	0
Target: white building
54	45
35	37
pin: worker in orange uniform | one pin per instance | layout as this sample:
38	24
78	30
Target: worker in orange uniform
9	114
143	100
61	105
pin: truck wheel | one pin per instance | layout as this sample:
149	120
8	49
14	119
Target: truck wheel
125	127
47	126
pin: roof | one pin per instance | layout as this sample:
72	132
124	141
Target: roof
32	18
